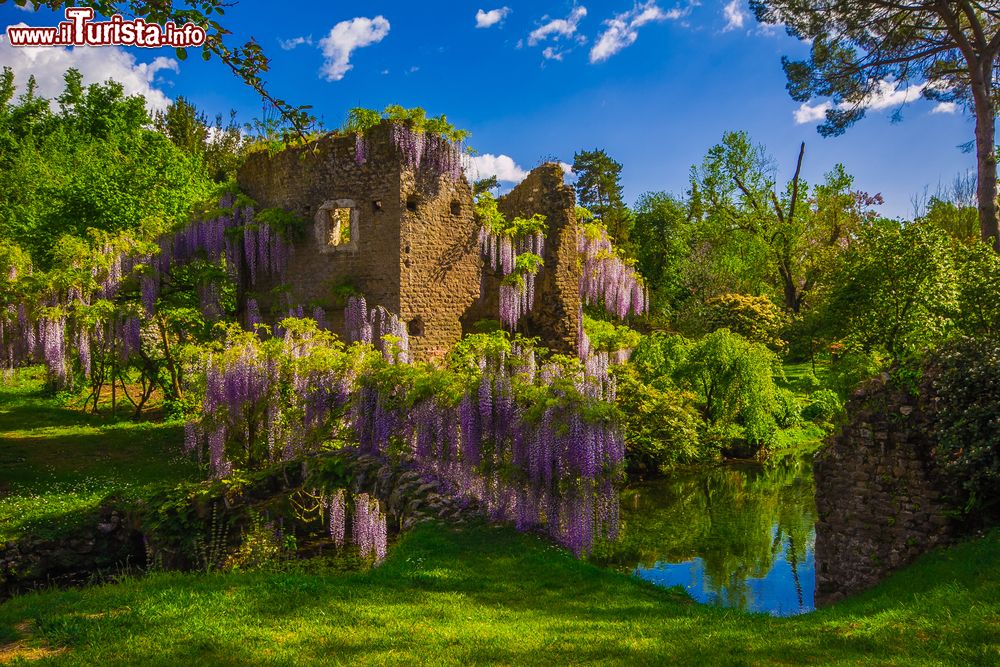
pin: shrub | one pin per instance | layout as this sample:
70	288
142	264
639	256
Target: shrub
661	426
659	355
734	381
849	369
788	412
964	381
756	318
824	407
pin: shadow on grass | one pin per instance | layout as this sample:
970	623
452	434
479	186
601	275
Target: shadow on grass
488	595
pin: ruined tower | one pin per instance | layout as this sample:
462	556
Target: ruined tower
406	238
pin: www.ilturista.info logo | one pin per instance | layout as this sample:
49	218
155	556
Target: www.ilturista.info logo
79	29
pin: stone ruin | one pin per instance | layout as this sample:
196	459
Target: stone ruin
407	239
882	499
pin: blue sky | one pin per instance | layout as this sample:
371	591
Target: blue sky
655	84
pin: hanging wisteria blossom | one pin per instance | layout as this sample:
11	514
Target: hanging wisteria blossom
607	280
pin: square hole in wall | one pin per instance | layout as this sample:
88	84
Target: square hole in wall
411	203
339	228
415	327
456	207
376	205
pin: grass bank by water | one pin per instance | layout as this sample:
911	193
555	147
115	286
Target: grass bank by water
474	595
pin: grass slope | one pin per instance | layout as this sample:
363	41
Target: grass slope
476	595
56	463
491	595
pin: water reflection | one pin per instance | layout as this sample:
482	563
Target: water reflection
739	535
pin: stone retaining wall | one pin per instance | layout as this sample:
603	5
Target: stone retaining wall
879	495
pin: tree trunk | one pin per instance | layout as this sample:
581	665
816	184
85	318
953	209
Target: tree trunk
987	164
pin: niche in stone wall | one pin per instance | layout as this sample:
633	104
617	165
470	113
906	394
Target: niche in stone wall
415	327
336	225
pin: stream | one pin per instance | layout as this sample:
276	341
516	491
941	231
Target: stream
736	535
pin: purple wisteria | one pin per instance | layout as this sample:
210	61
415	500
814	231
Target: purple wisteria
431	151
61	327
368	529
372	326
517	287
337	513
606	279
550	468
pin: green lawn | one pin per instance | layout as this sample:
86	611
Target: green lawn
484	594
479	594
57	463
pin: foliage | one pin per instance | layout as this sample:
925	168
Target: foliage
659	356
599	190
493	221
960	222
733	379
661	425
894	291
608	336
849	368
93	164
964	379
824	407
752	237
978	290
788	413
859	49
484	185
361	120
220	146
756	318
660	240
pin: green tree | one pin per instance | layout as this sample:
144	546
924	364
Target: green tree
661	239
221	146
733	378
598	189
94	164
950	49
762	235
895	290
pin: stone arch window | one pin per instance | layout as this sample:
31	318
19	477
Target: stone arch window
336	225
415	327
412	201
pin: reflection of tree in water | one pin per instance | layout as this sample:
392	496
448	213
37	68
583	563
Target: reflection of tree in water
737	518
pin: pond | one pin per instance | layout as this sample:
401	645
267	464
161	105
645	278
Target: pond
737	535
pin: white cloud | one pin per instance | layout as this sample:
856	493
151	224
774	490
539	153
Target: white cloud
551	53
556	28
492	17
289	44
811	113
28	7
887	94
623	29
502	166
734	15
567	169
945	107
344	38
97	64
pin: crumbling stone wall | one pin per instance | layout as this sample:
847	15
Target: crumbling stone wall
879	495
555	314
413	245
